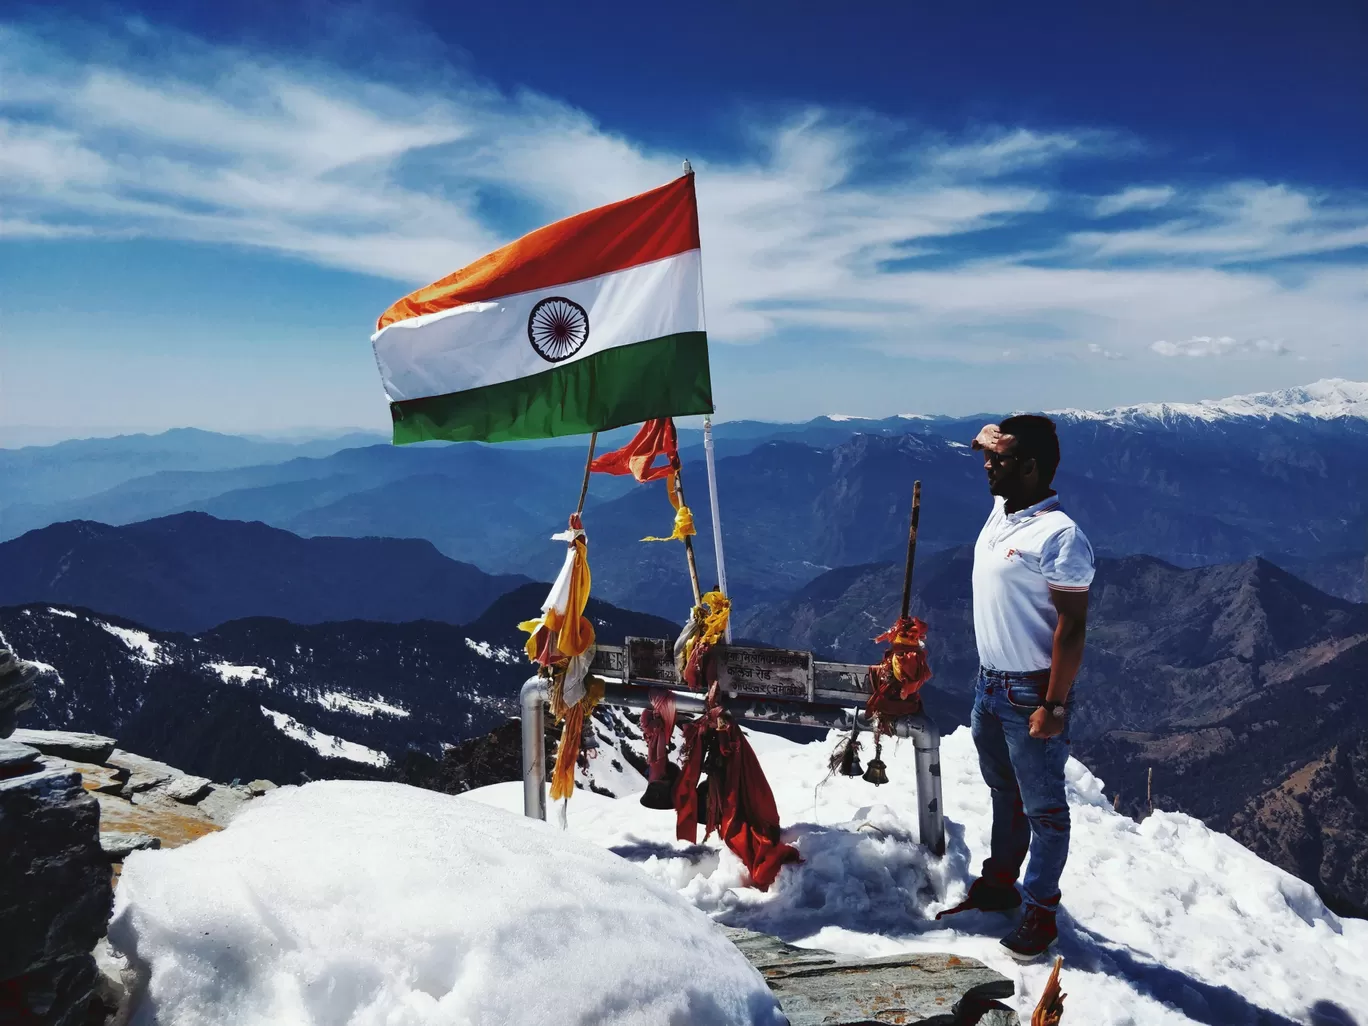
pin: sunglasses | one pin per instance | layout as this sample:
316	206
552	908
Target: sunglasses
997	459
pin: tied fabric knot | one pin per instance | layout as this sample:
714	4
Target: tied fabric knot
707	626
896	681
683	526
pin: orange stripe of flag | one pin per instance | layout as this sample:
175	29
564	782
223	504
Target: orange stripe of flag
654	225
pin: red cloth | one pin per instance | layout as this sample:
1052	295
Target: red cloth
657	724
894	683
744	814
656	438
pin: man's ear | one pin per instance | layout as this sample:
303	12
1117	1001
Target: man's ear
1030	466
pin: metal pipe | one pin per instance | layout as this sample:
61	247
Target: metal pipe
532	699
930	809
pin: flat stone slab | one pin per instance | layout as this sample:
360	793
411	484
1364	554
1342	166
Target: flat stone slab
819	988
118	846
142	774
66	744
16	758
260	787
187	789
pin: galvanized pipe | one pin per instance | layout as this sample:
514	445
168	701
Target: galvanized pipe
923	732
533	701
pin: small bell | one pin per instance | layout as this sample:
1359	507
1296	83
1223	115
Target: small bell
659	794
876	774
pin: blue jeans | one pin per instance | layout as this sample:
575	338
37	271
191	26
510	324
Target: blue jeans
1026	777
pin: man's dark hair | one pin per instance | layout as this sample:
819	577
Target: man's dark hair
1035	439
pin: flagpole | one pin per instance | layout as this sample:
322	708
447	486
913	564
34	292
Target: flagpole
712	482
688	541
716	516
588	467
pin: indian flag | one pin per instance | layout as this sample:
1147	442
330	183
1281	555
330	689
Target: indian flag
587	324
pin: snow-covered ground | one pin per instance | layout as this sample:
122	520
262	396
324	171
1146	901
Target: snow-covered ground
363	904
1164	922
324	744
138	641
340	702
231	673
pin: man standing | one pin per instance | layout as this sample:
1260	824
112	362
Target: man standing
1032	569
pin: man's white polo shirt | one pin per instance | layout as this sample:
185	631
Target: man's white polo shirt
1018	558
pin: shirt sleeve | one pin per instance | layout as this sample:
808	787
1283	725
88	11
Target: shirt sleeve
1066	560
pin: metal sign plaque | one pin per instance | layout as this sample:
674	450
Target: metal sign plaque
609	661
768	672
651	661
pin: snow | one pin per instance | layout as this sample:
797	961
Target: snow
62	612
1327	399
324	744
137	641
359	904
498	654
230	673
339	702
1164	922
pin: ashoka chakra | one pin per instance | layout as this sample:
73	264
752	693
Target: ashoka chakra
557	328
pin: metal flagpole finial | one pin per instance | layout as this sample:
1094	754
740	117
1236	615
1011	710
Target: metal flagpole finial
688	168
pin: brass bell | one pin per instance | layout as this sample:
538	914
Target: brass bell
877	772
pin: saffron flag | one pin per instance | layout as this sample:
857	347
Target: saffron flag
587	324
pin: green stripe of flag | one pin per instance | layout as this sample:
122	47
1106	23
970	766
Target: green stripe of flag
662	377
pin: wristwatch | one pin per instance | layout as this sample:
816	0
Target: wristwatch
1054	708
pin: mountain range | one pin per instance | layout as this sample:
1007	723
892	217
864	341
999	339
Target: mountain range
1279	475
191	572
264	697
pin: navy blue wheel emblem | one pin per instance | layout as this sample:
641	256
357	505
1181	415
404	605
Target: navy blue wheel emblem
557	328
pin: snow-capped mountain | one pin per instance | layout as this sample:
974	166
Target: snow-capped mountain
1327	399
268	698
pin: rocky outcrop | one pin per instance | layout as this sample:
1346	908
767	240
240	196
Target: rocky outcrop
16	689
818	988
69	815
55	892
1315	824
68	744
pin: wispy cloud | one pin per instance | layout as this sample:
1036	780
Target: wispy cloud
812	228
1223	345
1137	197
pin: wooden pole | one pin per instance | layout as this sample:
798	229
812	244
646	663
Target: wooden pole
688	541
584	488
911	550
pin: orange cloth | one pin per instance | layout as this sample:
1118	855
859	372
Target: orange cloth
656	438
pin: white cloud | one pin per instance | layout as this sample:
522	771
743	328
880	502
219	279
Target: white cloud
1137	197
1222	345
807	233
1241	221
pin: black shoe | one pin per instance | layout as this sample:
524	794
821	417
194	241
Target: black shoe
986	896
1034	935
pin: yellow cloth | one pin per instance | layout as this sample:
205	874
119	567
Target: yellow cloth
683	526
572	733
574	633
714	621
683	522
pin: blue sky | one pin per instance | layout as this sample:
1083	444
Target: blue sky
203	208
